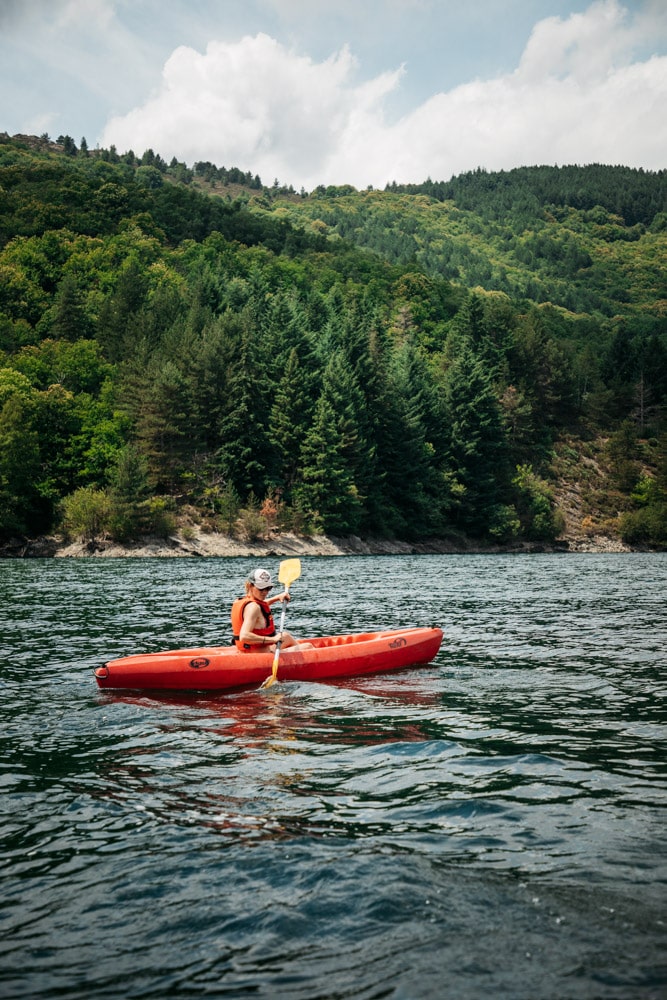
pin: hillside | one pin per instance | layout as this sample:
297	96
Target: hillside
480	360
592	243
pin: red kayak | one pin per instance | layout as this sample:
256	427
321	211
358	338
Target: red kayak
219	668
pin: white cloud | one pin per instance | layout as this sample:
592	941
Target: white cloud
584	46
576	96
252	104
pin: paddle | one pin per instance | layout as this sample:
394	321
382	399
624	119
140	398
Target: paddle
290	570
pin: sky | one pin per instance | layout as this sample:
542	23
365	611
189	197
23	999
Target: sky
361	92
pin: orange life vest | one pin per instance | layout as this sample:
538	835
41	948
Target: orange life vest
238	608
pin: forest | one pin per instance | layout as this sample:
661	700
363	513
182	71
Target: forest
186	346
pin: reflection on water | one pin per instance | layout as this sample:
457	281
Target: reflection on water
493	821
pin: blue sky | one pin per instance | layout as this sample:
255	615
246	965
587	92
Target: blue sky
343	91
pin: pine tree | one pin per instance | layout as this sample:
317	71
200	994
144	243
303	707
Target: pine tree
326	492
340	386
117	326
414	484
130	492
67	318
291	416
210	370
19	468
157	400
477	451
246	458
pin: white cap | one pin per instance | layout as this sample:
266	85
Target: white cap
261	578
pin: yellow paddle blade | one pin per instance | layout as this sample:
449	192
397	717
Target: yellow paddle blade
290	570
273	676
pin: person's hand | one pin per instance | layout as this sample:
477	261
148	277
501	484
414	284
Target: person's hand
284	596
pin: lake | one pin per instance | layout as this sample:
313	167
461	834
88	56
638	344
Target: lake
490	825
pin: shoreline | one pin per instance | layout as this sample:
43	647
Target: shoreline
201	544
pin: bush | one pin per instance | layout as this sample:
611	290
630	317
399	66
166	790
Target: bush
504	524
540	518
150	517
159	519
251	524
646	527
86	513
226	505
299	521
123	522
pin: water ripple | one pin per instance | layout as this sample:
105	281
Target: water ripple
493	821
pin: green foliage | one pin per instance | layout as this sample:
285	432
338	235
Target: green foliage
622	456
635	195
19	466
368	362
251	524
326	488
79	367
227	506
86	514
415	493
646	525
569	236
129	493
290	418
245	455
477	448
539	519
159	517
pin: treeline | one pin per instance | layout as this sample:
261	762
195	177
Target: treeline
95	195
634	195
175	169
161	350
542	234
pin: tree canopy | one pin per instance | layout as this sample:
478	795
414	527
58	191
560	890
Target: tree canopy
399	363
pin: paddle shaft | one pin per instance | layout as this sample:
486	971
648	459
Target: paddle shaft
290	570
276	657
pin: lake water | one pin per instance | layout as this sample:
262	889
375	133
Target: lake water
492	825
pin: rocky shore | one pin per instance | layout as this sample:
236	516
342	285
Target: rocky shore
205	544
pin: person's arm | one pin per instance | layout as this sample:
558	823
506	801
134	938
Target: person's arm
279	597
252	619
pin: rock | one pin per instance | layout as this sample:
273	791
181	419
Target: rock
202	544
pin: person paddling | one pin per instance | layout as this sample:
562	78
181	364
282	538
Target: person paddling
252	622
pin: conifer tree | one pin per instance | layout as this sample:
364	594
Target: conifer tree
326	492
210	370
117	326
19	467
130	492
341	389
477	451
67	319
291	416
414	484
246	458
157	400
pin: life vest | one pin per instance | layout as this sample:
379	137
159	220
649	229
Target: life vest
238	608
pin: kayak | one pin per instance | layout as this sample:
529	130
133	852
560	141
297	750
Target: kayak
220	668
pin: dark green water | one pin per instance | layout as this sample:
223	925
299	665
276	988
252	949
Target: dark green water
492	825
